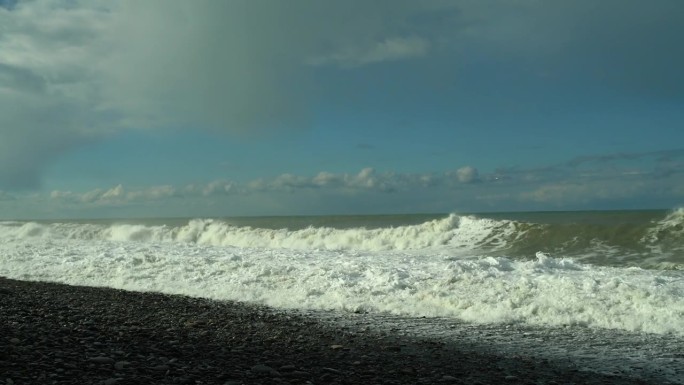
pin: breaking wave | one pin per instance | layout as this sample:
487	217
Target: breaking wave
454	231
607	274
655	244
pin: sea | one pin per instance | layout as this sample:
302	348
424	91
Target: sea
602	291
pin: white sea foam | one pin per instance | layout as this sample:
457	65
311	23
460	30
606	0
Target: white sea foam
401	270
454	232
672	226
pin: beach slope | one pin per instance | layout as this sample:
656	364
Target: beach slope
59	334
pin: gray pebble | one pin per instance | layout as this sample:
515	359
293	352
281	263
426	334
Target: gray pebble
102	360
332	371
264	370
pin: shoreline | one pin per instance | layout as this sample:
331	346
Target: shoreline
61	334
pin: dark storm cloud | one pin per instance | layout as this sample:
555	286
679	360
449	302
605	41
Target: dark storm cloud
8	4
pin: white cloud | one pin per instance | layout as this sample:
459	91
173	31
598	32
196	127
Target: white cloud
116	195
368	190
64	195
90	196
327	179
467	174
368	179
214	188
153	193
113	193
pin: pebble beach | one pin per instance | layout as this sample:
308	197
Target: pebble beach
60	334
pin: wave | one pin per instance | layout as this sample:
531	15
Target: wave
669	229
544	291
653	244
454	231
463	267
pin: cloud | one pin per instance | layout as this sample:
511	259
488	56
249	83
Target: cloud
4	196
559	187
241	66
366	180
213	188
115	194
571	194
77	71
8	4
559	194
390	49
623	44
650	178
226	66
46	103
613	176
467	174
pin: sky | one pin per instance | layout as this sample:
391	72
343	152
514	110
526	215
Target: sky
157	108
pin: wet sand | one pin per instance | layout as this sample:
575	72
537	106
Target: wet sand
60	334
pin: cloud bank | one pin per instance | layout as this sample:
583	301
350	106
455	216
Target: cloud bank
567	186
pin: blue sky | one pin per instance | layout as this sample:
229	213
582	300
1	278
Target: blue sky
205	108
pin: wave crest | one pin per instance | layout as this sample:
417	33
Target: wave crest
453	231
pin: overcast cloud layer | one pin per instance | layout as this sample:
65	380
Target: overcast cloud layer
78	72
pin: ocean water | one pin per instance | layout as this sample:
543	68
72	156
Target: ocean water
615	276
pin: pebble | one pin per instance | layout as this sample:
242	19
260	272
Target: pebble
298	374
50	345
264	370
102	360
